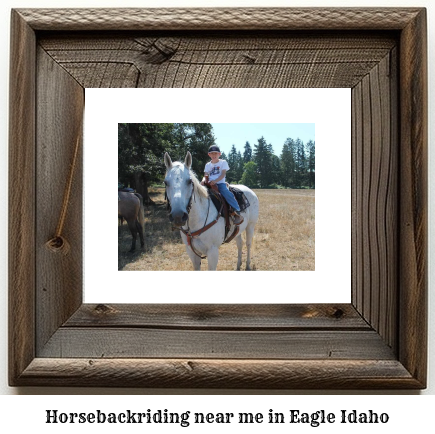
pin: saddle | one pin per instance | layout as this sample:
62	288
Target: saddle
225	210
129	190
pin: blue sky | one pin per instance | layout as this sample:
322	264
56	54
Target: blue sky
276	134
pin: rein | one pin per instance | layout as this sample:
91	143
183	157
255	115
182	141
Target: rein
191	235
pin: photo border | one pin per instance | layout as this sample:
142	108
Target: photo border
377	341
331	257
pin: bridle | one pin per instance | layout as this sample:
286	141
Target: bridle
191	235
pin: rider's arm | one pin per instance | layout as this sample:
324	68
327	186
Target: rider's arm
221	176
203	179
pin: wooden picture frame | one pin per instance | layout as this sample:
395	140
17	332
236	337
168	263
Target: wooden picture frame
377	341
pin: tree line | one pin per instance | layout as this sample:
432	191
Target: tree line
141	148
259	167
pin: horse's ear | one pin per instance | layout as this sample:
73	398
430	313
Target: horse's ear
168	161
188	160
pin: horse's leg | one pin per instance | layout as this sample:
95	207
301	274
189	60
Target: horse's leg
196	260
249	237
133	230
212	257
140	230
239	243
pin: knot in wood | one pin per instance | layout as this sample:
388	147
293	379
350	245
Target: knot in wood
103	309
338	313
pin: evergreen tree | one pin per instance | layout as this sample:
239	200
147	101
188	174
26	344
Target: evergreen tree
140	154
311	164
276	170
232	174
288	164
141	148
247	153
240	167
301	164
195	138
262	158
270	166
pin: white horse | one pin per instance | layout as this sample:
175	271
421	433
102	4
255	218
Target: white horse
191	210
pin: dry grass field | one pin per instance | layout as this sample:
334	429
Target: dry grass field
283	239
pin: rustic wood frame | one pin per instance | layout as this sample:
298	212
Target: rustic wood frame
377	341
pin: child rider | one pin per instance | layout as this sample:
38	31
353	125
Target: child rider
216	170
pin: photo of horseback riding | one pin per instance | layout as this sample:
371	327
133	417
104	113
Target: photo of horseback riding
199	203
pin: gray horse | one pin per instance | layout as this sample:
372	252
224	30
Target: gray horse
192	212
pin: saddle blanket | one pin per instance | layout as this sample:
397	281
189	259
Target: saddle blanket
242	200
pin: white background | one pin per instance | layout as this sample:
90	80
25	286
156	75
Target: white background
329	109
410	412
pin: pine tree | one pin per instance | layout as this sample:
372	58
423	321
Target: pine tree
231	176
247	153
311	164
301	164
271	172
195	138
262	159
288	163
240	165
276	170
141	148
140	154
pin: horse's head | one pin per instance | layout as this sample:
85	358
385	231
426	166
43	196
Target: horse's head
179	188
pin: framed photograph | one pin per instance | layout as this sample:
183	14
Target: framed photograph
375	341
295	233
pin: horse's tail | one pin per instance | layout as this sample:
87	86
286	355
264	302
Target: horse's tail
141	216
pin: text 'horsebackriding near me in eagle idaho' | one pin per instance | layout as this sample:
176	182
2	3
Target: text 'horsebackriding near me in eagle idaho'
200	223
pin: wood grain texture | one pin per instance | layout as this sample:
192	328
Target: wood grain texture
95	342
21	197
270	317
235	60
413	197
375	197
220	18
378	342
228	374
60	105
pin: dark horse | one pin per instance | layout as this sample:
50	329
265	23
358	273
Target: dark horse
130	207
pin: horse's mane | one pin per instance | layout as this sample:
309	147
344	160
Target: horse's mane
202	191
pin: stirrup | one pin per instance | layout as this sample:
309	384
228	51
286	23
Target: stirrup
235	215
